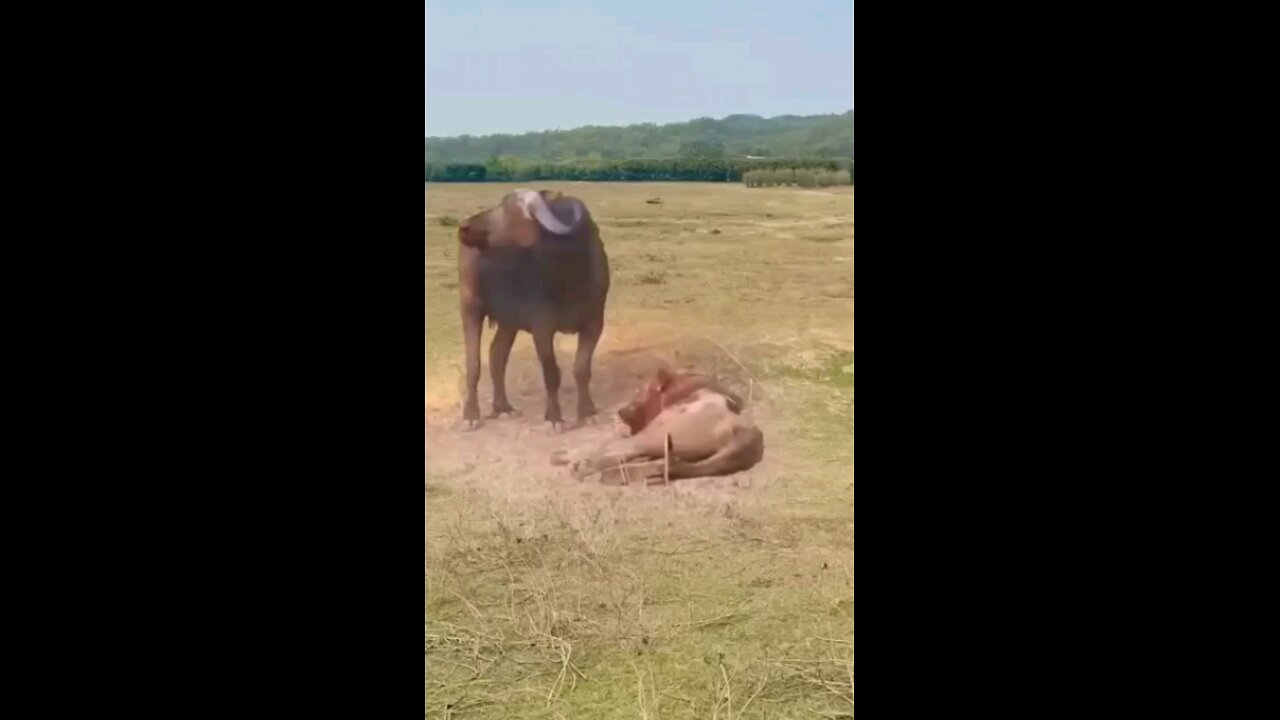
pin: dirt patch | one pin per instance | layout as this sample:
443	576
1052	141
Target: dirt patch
509	457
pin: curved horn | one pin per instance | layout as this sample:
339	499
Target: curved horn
531	202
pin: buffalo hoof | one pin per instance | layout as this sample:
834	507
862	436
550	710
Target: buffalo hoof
555	427
470	425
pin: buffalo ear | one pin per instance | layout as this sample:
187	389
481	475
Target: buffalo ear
468	235
664	377
519	230
733	402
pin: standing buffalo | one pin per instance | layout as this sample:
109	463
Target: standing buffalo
534	263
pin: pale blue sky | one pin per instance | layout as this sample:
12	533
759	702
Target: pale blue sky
508	66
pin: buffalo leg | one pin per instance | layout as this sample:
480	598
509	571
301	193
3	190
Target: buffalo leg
587	340
543	343
471	326
499	351
744	450
600	460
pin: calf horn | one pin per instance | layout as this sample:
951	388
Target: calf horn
531	201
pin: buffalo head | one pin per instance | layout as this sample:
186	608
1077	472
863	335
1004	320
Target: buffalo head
520	219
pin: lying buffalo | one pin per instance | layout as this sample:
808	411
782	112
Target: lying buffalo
534	263
709	434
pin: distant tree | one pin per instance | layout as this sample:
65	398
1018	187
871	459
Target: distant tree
701	149
818	136
501	168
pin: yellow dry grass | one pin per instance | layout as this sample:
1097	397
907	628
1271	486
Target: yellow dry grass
718	598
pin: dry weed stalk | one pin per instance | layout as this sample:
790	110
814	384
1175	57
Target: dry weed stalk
666	460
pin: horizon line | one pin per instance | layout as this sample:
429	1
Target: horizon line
675	122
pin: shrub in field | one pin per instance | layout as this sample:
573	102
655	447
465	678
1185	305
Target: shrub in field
840	177
803	177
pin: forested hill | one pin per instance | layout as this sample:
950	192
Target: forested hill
793	136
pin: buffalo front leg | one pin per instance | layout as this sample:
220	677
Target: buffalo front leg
543	343
471	325
587	340
499	352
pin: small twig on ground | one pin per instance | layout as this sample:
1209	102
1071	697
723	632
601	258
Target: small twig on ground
708	621
666	460
728	691
466	602
759	687
644	713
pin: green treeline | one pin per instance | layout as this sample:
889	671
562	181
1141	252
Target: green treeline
819	147
735	136
701	169
797	176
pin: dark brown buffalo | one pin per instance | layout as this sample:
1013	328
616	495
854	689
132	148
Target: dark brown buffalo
665	389
534	263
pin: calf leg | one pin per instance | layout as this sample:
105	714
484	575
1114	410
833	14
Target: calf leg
471	325
499	352
543	343
743	447
744	450
587	340
593	461
602	459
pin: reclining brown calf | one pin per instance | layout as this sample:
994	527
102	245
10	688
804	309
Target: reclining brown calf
709	434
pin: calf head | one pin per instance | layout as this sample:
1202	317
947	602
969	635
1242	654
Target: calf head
519	220
664	389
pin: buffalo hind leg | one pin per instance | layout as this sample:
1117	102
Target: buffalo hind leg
471	326
543	342
587	340
499	352
744	450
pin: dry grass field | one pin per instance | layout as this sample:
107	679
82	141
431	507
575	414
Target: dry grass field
712	598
